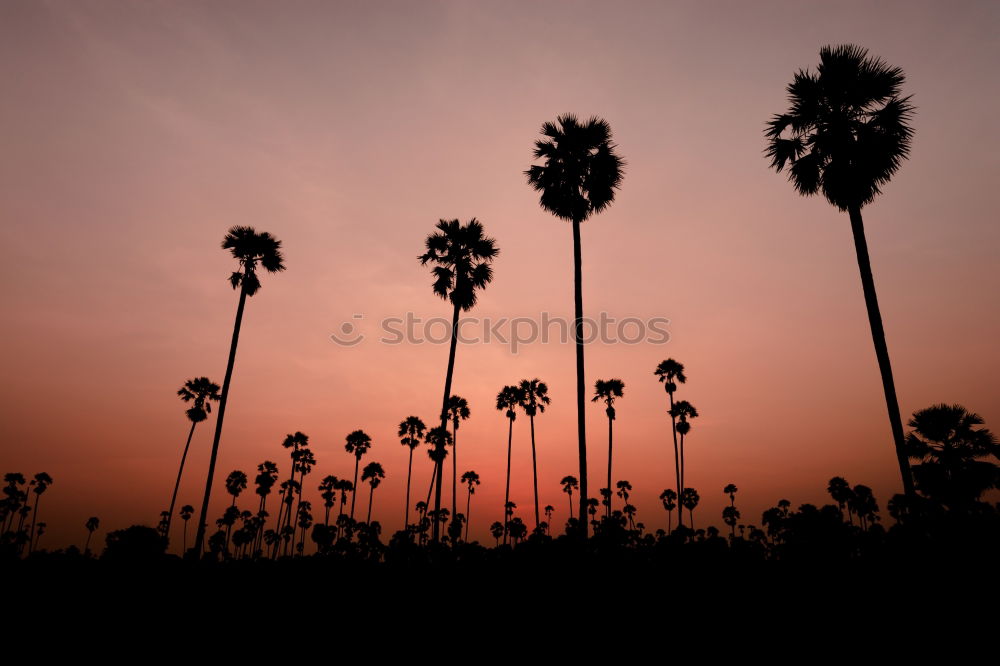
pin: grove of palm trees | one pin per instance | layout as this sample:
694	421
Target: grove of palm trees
531	484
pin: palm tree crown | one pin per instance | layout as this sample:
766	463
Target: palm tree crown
463	254
508	398
845	133
201	391
607	390
411	431
252	249
533	396
671	373
358	443
581	170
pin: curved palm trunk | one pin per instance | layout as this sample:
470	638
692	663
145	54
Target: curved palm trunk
468	512
677	460
534	466
444	423
371	497
430	488
177	484
34	517
610	440
506	494
881	350
203	517
354	493
409	475
581	421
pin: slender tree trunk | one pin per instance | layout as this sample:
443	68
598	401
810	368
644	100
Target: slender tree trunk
683	481
610	439
371	497
670	522
185	536
581	420
430	487
677	462
200	538
881	350
468	513
409	475
354	493
34	517
570	493
506	494
177	484
691	513
534	466
444	423
86	546
454	470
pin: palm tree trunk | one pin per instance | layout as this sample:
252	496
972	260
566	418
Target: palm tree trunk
371	496
409	475
430	488
354	493
454	470
86	546
468	512
34	516
444	422
670	522
610	422
534	466
881	350
177	484
682	461
691	513
581	420
506	494
200	538
677	462
185	537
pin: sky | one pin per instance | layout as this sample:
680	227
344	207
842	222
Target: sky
134	134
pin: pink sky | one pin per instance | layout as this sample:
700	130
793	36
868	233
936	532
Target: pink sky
134	134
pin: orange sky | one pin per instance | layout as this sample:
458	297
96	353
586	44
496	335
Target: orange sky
134	134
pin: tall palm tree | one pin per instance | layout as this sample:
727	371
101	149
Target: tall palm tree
328	493
462	255
185	513
267	476
840	491
411	433
956	457
534	396
296	443
671	373
508	399
41	482
250	249
373	474
569	484
578	177
845	136
458	408
92	524
669	499
608	390
689	500
201	391
731	490
358	443
236	483
683	411
471	480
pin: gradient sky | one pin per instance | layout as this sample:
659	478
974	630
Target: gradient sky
133	134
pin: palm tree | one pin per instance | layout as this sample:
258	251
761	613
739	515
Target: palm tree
497	530
186	512
470	479
267	476
845	135
683	411
458	408
250	249
730	516
41	482
578	178
236	483
92	524
954	454
669	499
731	490
411	433
840	491
462	254
671	373
533	398
373	474
607	390
358	443
569	484
507	399
297	443
328	493
201	391
689	500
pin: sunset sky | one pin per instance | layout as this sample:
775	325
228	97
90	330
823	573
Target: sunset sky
133	134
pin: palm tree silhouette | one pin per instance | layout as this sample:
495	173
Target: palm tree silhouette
471	480
201	391
569	484
731	490
462	254
607	390
689	500
358	443
328	493
296	442
549	510
236	483
186	512
845	136
458	408
250	249
92	524
671	373
411	433
683	411
373	474
533	398
669	499
578	178
842	494
267	476
507	399
497	530
951	449
42	481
